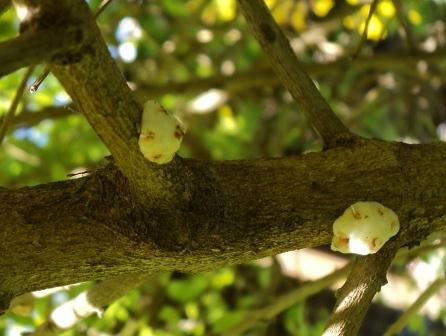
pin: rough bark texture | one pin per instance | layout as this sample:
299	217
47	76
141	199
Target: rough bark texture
367	277
92	227
134	217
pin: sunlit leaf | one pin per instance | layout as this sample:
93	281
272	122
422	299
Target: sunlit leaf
322	7
386	8
226	9
415	17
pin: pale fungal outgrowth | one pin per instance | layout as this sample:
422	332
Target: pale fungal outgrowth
364	228
161	133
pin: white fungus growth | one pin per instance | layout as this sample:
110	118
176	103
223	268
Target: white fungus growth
161	133
364	228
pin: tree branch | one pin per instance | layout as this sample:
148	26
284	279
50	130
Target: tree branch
409	36
34	47
102	6
365	33
399	324
100	92
237	82
289	70
285	301
6	120
92	301
91	228
29	119
367	277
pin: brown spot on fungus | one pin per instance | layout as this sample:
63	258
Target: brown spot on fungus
179	133
344	240
356	214
393	225
148	136
363	228
374	243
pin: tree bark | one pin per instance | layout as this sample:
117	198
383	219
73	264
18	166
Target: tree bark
133	216
236	211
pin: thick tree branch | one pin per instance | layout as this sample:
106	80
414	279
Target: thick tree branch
291	73
367	277
250	208
46	71
91	228
100	92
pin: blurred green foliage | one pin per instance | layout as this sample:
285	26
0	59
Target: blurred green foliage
167	50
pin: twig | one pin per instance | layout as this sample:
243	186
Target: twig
405	25
256	78
35	86
365	280
29	118
291	73
102	7
366	28
15	103
287	300
399	324
407	256
46	71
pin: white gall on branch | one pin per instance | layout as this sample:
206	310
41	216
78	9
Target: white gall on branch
161	133
364	228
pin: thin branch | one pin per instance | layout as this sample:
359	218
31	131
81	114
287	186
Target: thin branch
92	301
35	86
291	73
418	251
256	78
6	120
102	6
366	28
28	118
365	280
340	10
285	301
260	77
33	47
399	324
410	40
